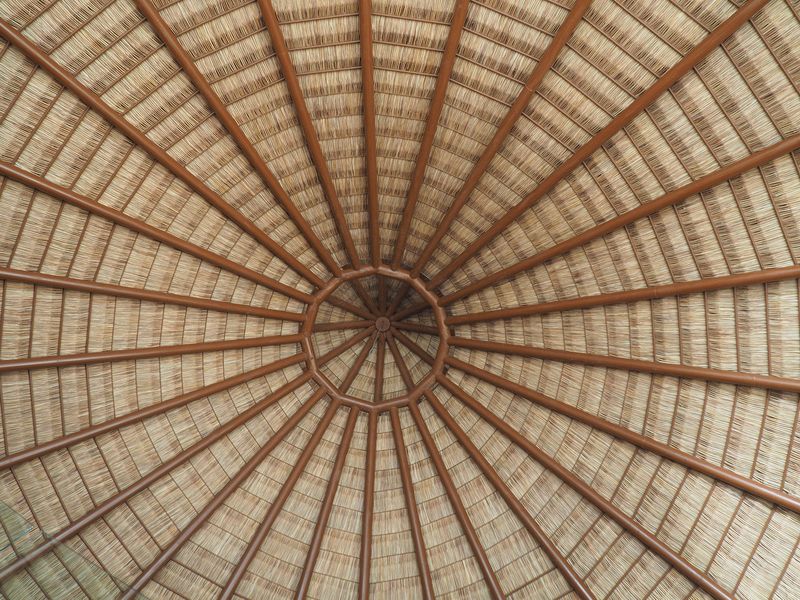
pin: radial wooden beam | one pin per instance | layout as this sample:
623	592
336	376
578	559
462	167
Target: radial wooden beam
417	327
92	206
655	545
686	64
770	382
336	351
644	210
143	483
136	416
645	443
277	505
339	325
355	368
370	134
219	498
365	558
120	291
409	311
576	582
327	504
307	125
380	365
489	576
649	293
96	103
544	65
92	358
349	307
426	583
434	112
413	346
245	145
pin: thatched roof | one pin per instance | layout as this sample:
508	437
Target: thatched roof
400	298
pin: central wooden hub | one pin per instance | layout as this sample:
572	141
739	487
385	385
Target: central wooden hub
382	324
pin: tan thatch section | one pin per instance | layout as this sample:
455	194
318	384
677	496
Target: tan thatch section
400	298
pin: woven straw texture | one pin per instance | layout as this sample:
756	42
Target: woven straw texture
400	299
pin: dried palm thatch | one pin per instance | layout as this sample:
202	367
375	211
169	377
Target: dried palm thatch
408	298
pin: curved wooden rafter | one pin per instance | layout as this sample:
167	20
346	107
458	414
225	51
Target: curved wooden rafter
370	131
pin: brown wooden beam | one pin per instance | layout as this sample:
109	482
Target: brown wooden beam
417	327
644	210
135	416
349	307
543	66
91	358
365	559
143	483
88	97
576	582
92	206
434	112
245	145
468	529
409	311
120	291
426	583
645	443
655	545
405	374
413	346
355	368
218	498
686	64
370	133
364	296
339	325
327	505
698	286
277	505
380	363
334	352
307	125
771	382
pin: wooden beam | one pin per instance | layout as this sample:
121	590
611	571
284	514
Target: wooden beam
370	134
413	346
93	101
115	216
489	576
143	483
770	382
418	327
339	325
365	558
120	291
355	368
576	582
426	583
334	352
136	416
686	64
544	65
645	443
434	112
327	505
307	125
655	545
405	374
349	307
218	499
409	311
644	210
275	508
245	145
697	286
92	358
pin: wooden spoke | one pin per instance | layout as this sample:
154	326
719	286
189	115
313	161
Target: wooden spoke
771	382
365	558
504	129
410	311
370	135
349	307
426	583
364	297
334	352
92	206
655	545
248	149
339	325
637	295
277	505
358	364
414	347
307	125
434	112
558	560
143	483
686	64
398	299
93	101
644	210
418	327
382	296
489	575
218	498
405	374
136	416
120	291
91	358
645	443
